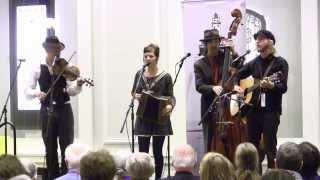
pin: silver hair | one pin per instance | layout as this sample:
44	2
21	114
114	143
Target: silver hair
140	165
184	160
73	154
120	159
20	177
30	167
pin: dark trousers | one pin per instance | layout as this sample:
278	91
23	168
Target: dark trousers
207	130
157	144
264	123
59	125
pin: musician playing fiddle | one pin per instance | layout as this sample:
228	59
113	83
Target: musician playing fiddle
56	114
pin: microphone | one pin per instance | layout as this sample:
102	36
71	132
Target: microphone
185	57
239	60
145	65
22	60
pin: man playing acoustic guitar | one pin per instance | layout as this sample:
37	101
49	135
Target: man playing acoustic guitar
264	115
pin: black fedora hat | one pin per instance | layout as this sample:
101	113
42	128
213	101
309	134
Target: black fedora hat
53	42
210	34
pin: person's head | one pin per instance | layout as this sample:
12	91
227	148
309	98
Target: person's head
277	174
10	166
140	166
120	159
98	165
20	177
73	154
246	161
30	168
246	157
184	158
311	159
216	166
151	54
53	46
265	41
289	157
211	40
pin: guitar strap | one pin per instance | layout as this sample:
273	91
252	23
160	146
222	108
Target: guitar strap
267	70
264	75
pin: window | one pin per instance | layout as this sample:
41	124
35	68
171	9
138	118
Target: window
31	31
28	29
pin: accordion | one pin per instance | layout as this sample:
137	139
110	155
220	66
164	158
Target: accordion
151	107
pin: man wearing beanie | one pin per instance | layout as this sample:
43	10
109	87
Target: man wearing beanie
264	115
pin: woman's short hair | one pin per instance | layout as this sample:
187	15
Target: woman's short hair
140	165
152	48
216	166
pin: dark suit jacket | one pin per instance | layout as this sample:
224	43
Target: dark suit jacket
182	176
204	81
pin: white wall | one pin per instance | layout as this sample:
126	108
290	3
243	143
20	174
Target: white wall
310	69
119	35
4	54
283	18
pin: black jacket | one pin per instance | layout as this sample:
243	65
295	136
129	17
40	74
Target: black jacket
257	68
204	81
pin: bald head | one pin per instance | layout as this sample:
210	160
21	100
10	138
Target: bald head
73	154
184	158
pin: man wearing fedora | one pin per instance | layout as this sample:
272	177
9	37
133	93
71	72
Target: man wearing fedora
208	74
55	113
264	115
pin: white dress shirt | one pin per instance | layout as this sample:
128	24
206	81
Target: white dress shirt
31	92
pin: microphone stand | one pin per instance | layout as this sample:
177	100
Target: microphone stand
174	82
131	109
180	66
210	108
4	114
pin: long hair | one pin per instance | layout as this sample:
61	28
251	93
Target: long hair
216	166
246	162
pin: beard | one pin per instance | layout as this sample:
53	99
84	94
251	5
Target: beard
263	48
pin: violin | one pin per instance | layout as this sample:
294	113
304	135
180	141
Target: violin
61	67
71	73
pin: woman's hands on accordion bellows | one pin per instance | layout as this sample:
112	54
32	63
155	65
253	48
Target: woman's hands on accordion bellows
217	89
167	110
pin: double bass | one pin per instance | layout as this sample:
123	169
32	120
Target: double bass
229	131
